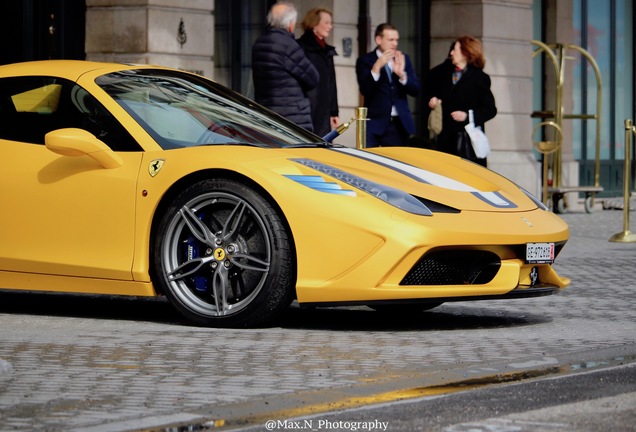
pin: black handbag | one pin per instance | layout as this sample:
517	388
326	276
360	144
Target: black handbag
464	146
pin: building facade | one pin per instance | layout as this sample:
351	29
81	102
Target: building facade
214	38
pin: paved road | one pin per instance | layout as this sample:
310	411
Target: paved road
587	400
95	364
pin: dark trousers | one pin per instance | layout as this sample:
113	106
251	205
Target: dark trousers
394	135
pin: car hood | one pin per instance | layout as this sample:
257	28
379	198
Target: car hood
429	175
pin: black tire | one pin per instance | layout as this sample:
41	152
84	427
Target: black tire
558	206
588	204
223	257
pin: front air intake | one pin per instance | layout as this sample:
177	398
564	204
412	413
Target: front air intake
454	267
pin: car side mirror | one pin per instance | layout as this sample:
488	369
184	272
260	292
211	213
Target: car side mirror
78	142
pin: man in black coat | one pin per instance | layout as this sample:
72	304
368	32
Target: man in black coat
281	71
386	77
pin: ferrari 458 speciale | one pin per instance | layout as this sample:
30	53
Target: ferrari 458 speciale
148	181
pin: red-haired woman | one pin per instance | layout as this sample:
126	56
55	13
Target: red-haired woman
463	88
323	99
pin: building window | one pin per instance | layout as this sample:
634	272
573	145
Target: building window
412	21
237	25
605	30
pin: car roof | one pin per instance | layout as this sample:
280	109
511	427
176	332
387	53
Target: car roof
69	69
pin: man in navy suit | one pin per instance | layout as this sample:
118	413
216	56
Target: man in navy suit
385	77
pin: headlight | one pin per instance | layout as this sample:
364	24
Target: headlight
395	197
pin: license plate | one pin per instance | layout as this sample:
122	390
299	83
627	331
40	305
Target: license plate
540	253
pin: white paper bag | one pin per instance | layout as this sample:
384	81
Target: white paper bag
478	138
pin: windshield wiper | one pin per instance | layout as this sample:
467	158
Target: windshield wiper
232	143
262	145
321	144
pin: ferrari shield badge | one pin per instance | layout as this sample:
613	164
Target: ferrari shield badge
155	166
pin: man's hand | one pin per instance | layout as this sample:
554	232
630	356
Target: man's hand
398	64
382	61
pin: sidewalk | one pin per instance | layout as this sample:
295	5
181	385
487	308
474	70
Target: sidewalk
124	364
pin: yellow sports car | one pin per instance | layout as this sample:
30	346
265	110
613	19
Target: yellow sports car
146	181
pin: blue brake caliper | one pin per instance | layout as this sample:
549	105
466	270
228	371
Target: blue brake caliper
193	247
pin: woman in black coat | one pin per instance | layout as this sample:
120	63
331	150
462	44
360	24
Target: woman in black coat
323	98
464	88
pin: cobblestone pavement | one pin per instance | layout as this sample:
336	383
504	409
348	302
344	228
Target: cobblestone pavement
109	364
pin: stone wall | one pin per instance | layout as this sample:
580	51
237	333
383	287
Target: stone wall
174	33
180	34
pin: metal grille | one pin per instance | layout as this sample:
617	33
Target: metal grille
454	267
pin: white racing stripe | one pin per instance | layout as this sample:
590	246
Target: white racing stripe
493	198
415	172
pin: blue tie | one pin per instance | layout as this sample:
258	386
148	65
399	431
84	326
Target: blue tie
388	72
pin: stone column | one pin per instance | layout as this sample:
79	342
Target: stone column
505	29
174	33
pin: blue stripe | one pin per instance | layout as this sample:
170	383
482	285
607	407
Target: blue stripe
319	184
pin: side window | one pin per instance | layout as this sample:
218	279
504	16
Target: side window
27	106
89	114
31	107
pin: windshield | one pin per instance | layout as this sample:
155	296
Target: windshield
183	110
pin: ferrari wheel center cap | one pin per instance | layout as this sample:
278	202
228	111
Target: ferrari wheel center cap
219	254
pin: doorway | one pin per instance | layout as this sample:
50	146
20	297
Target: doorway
42	30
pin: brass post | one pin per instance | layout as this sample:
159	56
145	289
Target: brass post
599	99
597	116
556	55
361	127
544	188
558	111
626	236
548	147
557	158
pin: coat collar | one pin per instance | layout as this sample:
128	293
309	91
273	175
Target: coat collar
309	42
281	31
468	74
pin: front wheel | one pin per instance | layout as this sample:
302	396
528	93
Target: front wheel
223	257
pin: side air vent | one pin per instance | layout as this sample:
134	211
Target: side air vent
454	267
436	207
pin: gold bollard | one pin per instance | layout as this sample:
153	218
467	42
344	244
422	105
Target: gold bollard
361	128
626	236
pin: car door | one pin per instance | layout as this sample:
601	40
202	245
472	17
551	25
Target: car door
63	215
